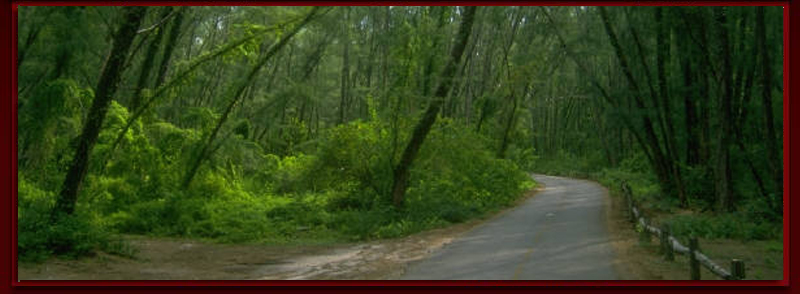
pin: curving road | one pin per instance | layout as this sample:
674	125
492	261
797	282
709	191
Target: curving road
559	234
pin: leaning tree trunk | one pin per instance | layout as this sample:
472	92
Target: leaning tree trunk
172	40
501	152
104	92
147	63
659	159
237	90
401	171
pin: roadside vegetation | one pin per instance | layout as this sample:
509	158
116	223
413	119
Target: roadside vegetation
301	125
275	174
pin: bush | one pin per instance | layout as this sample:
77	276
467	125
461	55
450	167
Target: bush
356	152
732	226
340	192
38	238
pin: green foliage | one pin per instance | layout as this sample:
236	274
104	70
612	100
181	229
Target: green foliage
73	236
457	165
754	220
339	192
353	156
731	225
202	118
285	168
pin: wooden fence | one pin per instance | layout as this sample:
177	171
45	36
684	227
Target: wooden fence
670	245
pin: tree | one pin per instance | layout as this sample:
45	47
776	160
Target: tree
149	59
345	66
104	92
663	165
766	99
401	170
235	95
723	169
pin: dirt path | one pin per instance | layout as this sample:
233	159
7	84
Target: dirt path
185	259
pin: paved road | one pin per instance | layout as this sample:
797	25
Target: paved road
559	234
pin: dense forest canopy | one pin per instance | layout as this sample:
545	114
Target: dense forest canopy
299	124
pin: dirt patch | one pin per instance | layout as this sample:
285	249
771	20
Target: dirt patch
166	259
190	259
638	260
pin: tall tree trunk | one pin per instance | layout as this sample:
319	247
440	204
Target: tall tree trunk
704	74
501	153
178	77
662	57
345	66
692	144
660	162
172	40
723	170
236	94
104	93
773	149
401	171
33	34
147	63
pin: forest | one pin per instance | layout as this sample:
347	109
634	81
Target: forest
314	125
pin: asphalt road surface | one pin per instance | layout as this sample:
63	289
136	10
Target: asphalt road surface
559	234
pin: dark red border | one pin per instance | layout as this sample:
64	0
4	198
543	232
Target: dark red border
171	285
401	3
786	139
13	164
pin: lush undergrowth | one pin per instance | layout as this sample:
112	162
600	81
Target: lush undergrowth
752	220
335	190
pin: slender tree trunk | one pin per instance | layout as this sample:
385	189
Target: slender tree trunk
345	66
660	162
401	171
501	153
161	90
773	149
692	144
236	93
104	93
662	57
147	62
30	38
172	40
723	170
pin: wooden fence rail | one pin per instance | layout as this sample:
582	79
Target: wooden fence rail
670	244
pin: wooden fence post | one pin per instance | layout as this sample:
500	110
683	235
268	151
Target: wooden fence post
626	190
644	235
694	264
666	245
737	269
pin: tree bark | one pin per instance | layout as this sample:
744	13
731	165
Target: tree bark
147	62
423	127
172	40
345	66
104	93
692	144
773	149
660	162
236	94
723	170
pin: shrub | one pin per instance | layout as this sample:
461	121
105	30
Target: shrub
38	238
341	192
732	225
